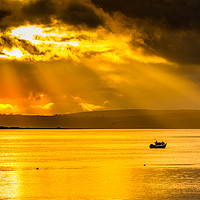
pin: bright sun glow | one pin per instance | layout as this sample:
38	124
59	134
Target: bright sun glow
27	33
62	42
14	53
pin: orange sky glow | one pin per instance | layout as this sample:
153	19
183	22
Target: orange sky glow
92	58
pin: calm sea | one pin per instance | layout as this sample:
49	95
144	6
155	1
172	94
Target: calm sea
99	165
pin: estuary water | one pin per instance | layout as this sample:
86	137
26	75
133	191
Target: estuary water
99	165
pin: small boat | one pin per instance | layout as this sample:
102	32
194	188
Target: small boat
158	145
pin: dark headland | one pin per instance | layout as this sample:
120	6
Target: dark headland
115	119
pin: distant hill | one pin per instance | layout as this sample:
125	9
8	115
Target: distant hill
115	119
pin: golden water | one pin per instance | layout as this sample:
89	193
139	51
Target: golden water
99	164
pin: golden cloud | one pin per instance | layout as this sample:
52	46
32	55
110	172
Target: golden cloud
45	107
9	109
87	106
39	43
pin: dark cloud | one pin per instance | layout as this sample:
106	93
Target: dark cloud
6	41
29	47
4	13
178	47
43	11
170	28
77	13
89	54
39	11
11	14
80	37
176	14
9	42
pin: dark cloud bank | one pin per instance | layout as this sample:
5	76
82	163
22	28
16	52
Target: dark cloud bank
15	13
175	14
171	27
39	11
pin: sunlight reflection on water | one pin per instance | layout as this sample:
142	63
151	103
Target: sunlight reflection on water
99	164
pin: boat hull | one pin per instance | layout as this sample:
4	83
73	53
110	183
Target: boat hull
157	146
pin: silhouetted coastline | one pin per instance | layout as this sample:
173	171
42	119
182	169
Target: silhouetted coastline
111	119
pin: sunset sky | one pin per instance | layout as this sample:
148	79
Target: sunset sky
65	56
